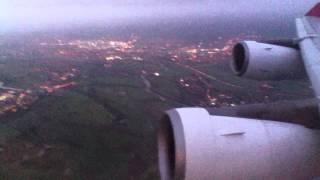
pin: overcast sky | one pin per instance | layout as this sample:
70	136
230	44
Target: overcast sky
44	12
50	3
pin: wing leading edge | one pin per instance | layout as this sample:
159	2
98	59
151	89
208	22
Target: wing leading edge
308	31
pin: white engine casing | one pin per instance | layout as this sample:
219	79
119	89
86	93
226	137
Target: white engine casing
263	61
196	145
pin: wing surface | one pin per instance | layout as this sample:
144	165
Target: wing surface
308	31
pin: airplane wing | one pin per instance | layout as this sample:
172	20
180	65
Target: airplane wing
308	31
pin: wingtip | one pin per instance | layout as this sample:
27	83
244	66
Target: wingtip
315	11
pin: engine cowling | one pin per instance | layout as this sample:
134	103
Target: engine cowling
264	61
196	145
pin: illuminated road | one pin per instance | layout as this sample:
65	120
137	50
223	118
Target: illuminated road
208	76
8	88
148	88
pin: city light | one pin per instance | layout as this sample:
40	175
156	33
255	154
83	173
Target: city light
107	51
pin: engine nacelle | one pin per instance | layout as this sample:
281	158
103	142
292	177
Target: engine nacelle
263	61
196	145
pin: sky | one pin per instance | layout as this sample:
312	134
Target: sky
32	13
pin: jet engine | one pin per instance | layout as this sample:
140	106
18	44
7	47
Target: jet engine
194	144
259	141
267	61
